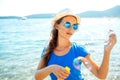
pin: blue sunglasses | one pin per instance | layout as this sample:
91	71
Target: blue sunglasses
68	25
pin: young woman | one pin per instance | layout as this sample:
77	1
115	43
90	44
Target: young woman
61	52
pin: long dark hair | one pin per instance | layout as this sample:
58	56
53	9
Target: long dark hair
52	43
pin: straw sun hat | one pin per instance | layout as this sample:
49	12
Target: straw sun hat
65	12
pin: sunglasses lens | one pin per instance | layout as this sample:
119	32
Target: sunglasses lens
67	24
75	26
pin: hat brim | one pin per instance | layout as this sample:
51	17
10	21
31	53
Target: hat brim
57	17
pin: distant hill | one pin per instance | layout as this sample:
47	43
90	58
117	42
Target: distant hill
112	12
29	16
9	17
40	16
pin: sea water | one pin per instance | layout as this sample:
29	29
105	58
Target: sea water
22	42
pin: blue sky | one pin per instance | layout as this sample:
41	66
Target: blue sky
26	7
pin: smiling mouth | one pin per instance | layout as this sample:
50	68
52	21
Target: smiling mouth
69	33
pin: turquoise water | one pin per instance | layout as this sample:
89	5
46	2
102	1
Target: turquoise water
22	41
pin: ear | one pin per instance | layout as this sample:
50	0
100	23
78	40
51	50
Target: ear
57	26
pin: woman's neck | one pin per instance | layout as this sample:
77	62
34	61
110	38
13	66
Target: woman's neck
63	46
62	42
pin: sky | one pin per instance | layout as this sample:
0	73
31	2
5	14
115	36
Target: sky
27	7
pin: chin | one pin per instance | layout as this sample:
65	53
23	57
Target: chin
68	37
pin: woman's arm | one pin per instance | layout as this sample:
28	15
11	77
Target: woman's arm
102	70
43	71
99	71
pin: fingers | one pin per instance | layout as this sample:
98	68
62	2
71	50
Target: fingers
111	41
112	38
63	74
60	72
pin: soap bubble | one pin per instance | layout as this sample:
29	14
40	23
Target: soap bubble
77	63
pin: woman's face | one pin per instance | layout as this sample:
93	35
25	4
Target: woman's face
63	31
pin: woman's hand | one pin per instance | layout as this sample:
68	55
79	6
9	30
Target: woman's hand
60	72
111	42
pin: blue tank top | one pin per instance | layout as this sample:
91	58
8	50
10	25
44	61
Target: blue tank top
67	60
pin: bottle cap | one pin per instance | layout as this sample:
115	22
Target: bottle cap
67	68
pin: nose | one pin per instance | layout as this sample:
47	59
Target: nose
71	29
